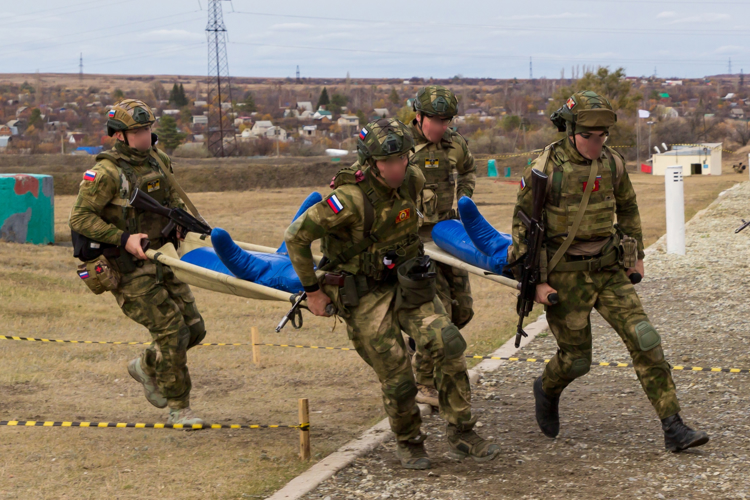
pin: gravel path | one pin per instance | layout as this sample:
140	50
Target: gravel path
611	444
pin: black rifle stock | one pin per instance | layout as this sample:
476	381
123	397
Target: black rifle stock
530	264
176	216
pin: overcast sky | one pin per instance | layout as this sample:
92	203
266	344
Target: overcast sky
379	39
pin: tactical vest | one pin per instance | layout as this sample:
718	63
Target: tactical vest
566	191
440	187
390	230
155	183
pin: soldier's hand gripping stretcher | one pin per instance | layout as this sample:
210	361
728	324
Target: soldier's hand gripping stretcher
318	303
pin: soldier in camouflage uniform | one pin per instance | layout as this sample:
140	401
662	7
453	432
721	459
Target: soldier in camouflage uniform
438	151
148	292
369	227
591	267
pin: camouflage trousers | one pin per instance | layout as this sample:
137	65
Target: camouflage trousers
374	328
615	298
167	308
454	291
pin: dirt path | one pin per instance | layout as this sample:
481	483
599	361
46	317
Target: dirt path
611	444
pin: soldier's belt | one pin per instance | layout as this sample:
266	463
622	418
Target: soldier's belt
587	264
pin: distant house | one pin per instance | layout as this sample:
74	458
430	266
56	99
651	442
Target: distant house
309	131
198	138
15	125
260	127
5	141
348	121
247	120
75	137
737	113
5	131
95	104
305	106
276	132
322	113
200	104
23	112
667	112
171	112
200	120
380	113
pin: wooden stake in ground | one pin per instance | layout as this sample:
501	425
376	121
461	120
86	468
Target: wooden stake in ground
255	337
304	432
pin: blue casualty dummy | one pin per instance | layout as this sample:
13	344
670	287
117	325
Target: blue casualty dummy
472	239
268	269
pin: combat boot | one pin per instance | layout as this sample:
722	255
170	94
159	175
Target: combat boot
427	395
464	442
150	389
184	416
412	454
547	409
678	436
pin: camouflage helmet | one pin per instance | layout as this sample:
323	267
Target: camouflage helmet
383	139
584	112
436	100
129	114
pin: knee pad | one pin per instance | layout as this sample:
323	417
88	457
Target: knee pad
407	389
647	336
197	333
454	344
580	367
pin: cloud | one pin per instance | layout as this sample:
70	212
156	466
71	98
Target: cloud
709	17
291	27
563	15
667	14
173	35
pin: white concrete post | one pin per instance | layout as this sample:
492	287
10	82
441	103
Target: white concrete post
675	200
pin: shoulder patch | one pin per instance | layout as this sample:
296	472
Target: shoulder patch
89	175
335	204
403	215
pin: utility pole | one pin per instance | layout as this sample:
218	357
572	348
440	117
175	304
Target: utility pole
730	65
531	73
219	87
298	78
80	67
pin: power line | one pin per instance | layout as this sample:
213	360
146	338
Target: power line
466	54
103	37
110	60
35	19
106	28
645	31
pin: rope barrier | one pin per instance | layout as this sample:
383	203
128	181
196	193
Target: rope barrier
327	348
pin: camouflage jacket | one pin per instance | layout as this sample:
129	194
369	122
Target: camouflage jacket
562	157
340	218
97	212
454	151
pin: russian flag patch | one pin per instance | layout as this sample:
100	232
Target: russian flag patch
83	274
363	134
335	204
90	175
523	183
111	113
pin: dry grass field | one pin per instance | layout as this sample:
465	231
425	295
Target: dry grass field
41	296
